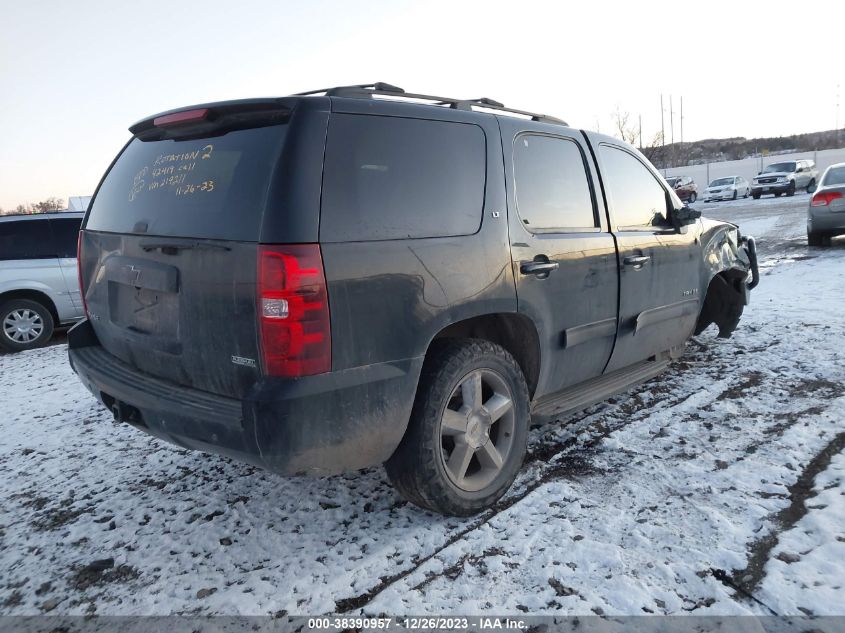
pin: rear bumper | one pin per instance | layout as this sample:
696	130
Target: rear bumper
826	222
318	425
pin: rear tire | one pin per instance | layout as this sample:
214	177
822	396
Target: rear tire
811	184
814	239
465	442
24	324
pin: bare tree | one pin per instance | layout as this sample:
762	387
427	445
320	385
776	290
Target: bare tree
50	204
652	149
624	131
655	151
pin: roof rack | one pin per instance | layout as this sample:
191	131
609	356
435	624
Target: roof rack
368	91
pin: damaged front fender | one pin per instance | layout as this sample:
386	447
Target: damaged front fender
730	272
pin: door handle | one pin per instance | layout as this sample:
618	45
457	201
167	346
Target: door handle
636	261
538	268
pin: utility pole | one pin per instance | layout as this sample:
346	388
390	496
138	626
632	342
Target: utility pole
672	129
682	120
837	114
641	132
662	133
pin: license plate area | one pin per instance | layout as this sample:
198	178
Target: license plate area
144	310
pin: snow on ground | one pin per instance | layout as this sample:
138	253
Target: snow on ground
716	488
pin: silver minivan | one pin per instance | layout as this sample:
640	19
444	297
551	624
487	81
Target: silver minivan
39	286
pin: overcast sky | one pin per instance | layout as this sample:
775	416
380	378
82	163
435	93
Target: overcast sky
75	75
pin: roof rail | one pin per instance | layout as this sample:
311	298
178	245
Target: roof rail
368	91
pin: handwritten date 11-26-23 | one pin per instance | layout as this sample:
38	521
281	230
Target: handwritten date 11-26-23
205	185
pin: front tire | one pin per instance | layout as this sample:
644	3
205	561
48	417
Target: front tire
692	197
791	190
468	431
24	324
756	196
735	194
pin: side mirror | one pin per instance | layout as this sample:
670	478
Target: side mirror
759	172
812	188
685	215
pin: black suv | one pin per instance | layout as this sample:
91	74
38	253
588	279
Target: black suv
356	276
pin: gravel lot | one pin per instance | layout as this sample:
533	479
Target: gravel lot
718	487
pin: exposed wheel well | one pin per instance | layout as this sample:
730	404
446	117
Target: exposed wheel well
724	302
514	332
32	295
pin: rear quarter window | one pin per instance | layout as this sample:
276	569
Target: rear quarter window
208	188
393	178
65	234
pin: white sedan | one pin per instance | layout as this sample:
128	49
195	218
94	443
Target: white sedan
727	189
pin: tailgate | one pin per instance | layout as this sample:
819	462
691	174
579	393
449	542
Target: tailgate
176	309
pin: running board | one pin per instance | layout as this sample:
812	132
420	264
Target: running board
590	392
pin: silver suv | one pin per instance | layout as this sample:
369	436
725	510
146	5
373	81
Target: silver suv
39	286
785	177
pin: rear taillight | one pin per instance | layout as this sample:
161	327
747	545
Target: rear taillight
79	272
824	198
293	310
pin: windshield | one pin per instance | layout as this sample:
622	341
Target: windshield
673	182
212	188
834	176
787	167
721	182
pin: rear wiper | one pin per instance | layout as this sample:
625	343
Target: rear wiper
173	247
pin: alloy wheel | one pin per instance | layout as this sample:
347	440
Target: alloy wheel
477	430
23	325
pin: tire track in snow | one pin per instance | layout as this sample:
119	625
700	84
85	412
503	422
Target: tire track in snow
747	580
557	467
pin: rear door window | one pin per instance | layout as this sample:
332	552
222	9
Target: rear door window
26	239
552	190
208	188
395	178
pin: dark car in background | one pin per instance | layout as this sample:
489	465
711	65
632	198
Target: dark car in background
826	213
334	280
684	187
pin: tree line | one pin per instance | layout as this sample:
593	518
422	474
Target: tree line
50	204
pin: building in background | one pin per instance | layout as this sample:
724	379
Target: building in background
78	203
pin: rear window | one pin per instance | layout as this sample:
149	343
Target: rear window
835	176
208	188
393	178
